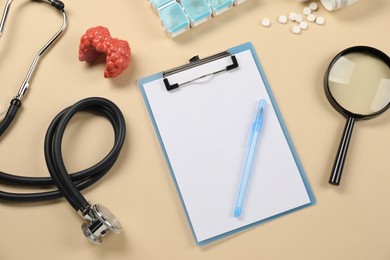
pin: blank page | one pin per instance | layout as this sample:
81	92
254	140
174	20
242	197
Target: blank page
204	129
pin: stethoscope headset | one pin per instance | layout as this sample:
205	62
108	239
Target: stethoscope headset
99	220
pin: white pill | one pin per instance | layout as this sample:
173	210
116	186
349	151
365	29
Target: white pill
303	25
266	22
296	29
320	20
311	18
292	16
306	11
313	6
298	18
282	19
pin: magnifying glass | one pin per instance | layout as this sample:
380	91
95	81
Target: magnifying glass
357	85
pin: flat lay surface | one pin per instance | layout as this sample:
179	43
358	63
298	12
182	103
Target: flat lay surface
350	221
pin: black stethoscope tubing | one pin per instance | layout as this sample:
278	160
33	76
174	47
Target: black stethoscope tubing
69	185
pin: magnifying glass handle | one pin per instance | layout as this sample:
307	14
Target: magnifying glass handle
342	153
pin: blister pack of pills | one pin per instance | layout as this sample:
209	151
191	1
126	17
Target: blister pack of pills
178	16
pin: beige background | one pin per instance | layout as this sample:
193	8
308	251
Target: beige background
348	222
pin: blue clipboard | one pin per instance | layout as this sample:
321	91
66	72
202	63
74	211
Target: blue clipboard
201	113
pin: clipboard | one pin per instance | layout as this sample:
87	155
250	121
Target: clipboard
202	113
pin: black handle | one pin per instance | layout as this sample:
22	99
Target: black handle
11	113
342	153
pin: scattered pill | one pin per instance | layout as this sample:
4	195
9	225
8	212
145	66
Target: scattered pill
292	16
266	22
313	6
307	10
320	20
301	20
298	18
311	18
282	19
303	25
296	29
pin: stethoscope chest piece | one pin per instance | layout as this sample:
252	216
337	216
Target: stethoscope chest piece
100	222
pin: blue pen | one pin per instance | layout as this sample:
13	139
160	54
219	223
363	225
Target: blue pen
253	140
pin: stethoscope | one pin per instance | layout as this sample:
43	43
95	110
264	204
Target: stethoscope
100	221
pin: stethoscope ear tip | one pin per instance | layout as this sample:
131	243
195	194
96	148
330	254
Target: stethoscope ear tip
55	3
58	4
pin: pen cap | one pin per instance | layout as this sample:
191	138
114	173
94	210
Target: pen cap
259	116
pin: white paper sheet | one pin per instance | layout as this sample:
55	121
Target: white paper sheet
204	128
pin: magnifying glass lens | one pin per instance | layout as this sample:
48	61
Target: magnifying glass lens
360	83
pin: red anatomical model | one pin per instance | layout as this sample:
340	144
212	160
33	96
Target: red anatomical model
98	40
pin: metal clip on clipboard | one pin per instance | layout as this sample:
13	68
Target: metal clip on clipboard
194	62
